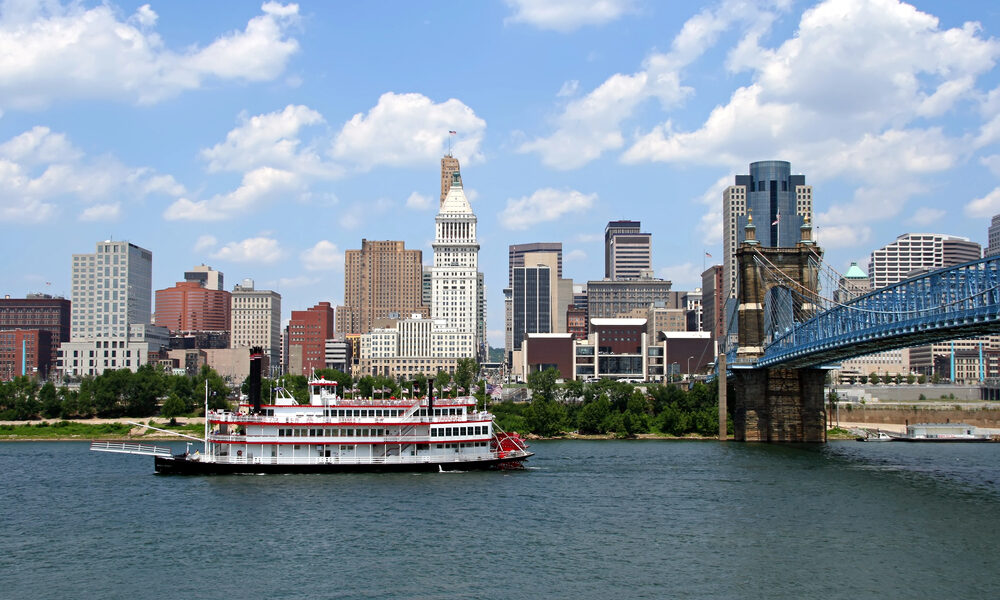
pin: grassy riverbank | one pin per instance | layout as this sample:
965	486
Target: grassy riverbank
76	430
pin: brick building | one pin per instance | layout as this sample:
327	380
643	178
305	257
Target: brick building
25	352
308	331
38	311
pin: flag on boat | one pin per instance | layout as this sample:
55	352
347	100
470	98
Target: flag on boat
777	219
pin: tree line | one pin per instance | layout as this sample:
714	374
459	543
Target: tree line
609	406
147	392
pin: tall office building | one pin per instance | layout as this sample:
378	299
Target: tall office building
209	278
994	237
449	169
381	279
779	202
308	332
531	303
112	289
256	320
627	250
110	323
455	297
191	307
519	255
914	253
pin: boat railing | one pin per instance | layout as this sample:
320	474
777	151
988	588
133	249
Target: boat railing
309	419
129	448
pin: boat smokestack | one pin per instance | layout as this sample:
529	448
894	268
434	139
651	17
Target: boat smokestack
430	400
256	366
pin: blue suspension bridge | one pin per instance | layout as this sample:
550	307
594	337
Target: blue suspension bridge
792	315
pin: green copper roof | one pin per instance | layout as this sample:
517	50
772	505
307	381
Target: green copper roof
855	272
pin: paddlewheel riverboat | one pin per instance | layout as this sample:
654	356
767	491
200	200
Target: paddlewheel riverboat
336	434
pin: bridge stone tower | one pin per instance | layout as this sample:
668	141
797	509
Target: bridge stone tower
774	404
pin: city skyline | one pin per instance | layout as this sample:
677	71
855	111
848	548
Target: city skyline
251	139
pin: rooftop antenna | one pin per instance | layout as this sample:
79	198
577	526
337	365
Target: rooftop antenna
450	133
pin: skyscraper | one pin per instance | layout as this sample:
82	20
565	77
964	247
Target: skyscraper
380	279
779	202
913	253
209	278
111	311
256	320
627	250
994	237
518	255
449	167
112	289
455	298
192	307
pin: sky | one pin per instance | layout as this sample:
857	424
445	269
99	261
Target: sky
266	139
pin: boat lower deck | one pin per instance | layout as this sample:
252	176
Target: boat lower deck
186	465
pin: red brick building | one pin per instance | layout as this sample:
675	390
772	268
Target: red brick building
576	322
38	311
25	352
189	307
309	329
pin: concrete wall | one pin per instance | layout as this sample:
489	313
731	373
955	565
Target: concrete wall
896	414
906	393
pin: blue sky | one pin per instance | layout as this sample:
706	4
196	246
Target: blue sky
265	139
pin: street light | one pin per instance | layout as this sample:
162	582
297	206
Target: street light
689	366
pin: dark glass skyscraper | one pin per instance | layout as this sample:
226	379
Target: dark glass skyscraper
779	203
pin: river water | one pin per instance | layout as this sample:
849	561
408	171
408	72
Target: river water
589	519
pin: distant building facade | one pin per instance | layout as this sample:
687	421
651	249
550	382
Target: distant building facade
627	251
256	320
25	352
779	202
993	237
38	311
381	278
308	332
915	253
609	299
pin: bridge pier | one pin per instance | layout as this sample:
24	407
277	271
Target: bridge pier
779	405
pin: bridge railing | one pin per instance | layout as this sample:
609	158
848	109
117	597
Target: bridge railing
965	292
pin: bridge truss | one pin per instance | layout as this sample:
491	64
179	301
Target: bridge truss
806	328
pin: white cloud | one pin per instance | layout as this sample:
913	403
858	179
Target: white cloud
258	187
992	163
40	170
842	236
838	100
205	242
257	250
323	256
55	53
569	88
926	216
410	129
546	204
418	201
683	276
984	207
271	140
592	124
566	15
102	212
575	254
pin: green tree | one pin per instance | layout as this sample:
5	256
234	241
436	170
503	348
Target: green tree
543	384
173	406
910	379
465	371
592	416
545	417
344	381
441	381
573	390
48	399
921	379
935	378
